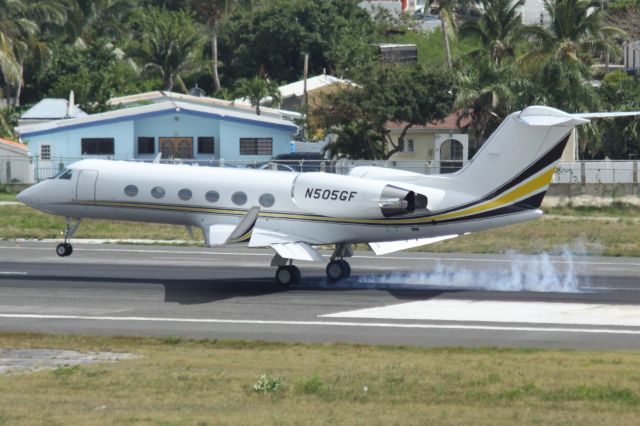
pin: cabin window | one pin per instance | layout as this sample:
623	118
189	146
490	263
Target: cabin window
266	200
256	146
212	196
146	145
239	198
97	146
206	145
131	190
185	194
157	192
66	175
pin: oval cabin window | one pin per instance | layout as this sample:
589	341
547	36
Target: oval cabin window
239	198
266	200
212	196
131	190
157	192
185	194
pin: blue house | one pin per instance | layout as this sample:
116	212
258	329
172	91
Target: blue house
179	130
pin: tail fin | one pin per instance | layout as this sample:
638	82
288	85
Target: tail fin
523	152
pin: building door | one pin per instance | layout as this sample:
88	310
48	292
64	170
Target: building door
176	147
86	186
451	153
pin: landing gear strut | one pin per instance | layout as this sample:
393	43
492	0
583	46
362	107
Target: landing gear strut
65	249
338	268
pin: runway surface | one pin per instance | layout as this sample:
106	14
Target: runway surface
407	298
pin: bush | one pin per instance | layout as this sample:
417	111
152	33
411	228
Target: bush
267	384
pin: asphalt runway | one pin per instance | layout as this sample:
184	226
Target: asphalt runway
421	299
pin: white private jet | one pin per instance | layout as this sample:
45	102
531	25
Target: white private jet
290	212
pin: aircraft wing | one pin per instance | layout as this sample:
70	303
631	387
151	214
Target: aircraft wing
220	233
288	246
392	246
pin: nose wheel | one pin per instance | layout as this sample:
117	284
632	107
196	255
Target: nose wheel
65	249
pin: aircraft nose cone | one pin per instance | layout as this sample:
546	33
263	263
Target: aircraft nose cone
28	197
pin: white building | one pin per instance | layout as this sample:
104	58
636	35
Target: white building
631	54
15	163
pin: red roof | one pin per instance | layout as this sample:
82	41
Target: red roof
449	122
15	144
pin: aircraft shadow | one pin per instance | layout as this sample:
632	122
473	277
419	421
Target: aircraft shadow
201	291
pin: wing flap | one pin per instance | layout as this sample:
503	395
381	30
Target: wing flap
393	246
297	251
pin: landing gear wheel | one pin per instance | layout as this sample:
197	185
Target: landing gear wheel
64	249
335	270
346	269
287	275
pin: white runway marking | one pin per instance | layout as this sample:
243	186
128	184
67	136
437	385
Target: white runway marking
325	323
504	312
12	273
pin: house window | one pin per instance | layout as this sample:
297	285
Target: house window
97	146
146	145
45	152
256	146
205	145
409	146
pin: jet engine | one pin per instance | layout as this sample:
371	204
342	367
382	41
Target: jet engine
353	197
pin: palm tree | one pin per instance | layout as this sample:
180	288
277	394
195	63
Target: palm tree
576	28
211	12
446	12
22	25
99	17
170	45
498	29
257	89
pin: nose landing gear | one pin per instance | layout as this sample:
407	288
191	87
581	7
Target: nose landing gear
65	249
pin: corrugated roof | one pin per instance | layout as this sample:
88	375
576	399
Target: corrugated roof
52	108
155	109
14	144
297	88
205	100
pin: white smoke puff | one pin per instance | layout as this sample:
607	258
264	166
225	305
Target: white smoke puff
538	273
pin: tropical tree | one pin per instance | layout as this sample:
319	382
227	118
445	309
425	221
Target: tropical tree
407	96
22	24
256	89
170	45
576	28
103	19
448	25
273	39
498	29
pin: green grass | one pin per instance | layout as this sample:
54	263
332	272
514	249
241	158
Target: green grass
7	197
213	382
617	234
615	209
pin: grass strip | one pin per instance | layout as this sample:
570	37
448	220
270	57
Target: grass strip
181	381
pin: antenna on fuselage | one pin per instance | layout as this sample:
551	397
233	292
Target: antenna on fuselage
156	159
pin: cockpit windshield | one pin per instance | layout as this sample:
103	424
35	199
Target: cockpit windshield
63	174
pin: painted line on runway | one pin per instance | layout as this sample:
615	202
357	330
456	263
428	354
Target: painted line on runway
583	314
13	273
325	324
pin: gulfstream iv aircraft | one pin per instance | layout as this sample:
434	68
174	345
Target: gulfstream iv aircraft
293	212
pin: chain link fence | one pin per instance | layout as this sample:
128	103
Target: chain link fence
594	178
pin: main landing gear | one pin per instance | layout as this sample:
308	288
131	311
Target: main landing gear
65	249
337	269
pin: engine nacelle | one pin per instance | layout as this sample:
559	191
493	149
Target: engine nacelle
348	196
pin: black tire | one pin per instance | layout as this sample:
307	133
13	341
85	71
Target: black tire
287	275
69	248
346	269
334	270
61	250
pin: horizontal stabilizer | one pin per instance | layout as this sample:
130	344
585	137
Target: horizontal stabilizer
393	246
589	115
298	251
